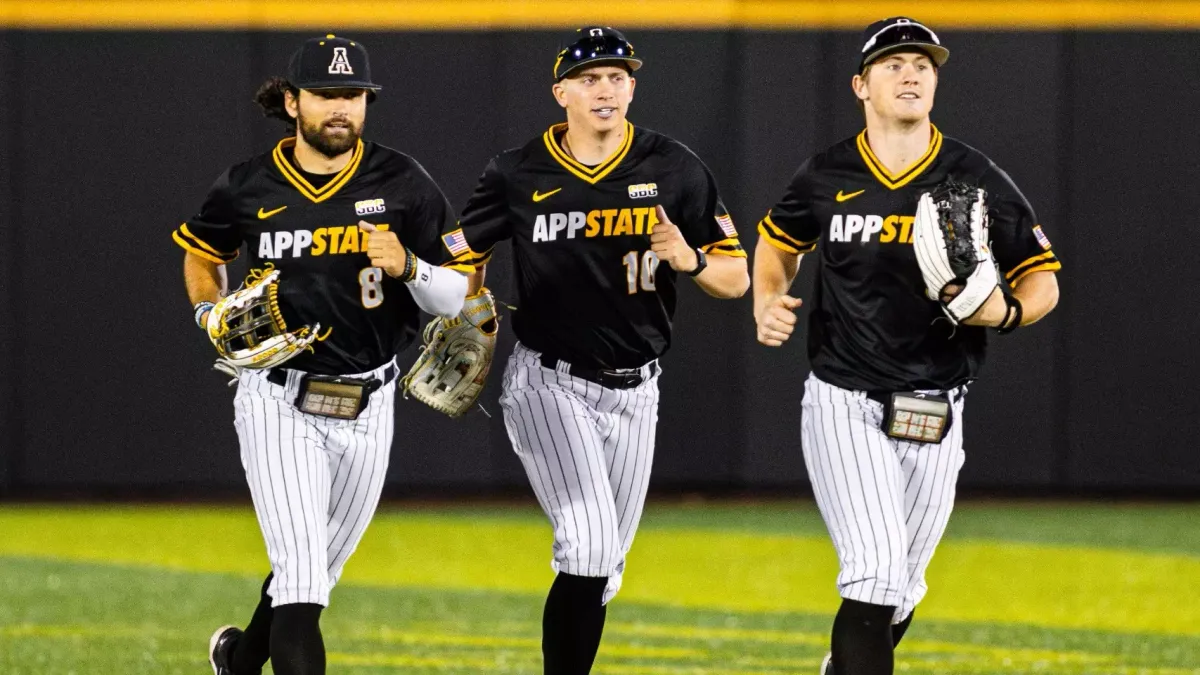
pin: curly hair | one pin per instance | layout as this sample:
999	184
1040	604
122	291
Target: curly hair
270	97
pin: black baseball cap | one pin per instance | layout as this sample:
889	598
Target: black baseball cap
900	33
589	45
331	63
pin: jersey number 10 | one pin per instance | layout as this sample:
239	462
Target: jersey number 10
643	275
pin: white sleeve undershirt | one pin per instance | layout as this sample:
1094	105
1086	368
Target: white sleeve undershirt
438	290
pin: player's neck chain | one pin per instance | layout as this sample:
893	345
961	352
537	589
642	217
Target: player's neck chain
566	148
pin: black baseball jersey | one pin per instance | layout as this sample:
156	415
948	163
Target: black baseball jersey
871	326
306	226
589	289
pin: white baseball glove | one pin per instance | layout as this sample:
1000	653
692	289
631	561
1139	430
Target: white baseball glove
248	330
453	366
950	237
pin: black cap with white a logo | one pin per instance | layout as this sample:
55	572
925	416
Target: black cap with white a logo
331	63
900	33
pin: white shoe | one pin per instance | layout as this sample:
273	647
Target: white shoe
827	665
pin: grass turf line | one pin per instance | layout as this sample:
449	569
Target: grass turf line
61	617
684	557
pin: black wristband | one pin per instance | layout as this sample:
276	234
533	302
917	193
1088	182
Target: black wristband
1012	316
701	263
410	266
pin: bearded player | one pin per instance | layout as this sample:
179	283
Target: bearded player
338	231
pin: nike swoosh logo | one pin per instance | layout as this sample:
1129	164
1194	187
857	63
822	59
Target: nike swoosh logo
263	215
539	197
841	197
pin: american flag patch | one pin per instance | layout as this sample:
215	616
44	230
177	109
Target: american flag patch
726	224
1041	237
456	242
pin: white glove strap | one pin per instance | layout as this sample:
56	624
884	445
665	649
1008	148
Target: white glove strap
979	288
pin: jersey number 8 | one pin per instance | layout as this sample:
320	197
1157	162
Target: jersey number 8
649	265
372	292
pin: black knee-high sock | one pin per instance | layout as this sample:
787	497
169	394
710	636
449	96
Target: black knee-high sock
862	639
572	624
899	629
296	644
253	648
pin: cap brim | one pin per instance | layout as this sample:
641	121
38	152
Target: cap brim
634	63
339	85
938	53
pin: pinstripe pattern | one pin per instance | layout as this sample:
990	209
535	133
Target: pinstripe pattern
886	502
587	451
315	481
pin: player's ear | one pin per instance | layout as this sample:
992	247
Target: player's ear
632	86
859	85
560	94
291	103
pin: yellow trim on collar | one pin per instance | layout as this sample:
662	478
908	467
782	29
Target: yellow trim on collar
305	188
895	181
594	174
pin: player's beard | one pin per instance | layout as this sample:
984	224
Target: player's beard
321	137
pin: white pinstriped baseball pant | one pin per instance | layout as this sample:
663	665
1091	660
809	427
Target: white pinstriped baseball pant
587	451
315	481
886	502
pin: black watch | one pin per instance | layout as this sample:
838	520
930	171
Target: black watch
701	263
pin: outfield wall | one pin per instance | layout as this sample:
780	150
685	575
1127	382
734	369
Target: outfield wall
108	138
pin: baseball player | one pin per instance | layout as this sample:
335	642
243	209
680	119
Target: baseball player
604	218
882	424
347	226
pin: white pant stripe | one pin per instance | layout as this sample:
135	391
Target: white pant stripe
568	468
554	453
587	448
587	451
643	440
315	481
885	502
526	438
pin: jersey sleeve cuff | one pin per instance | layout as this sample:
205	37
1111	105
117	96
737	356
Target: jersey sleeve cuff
193	244
781	240
469	261
1043	262
729	247
465	268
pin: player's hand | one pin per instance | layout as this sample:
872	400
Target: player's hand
384	249
777	320
668	244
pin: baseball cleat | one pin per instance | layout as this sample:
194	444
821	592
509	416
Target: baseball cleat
827	665
220	649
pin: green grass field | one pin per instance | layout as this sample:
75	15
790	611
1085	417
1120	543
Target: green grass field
1085	589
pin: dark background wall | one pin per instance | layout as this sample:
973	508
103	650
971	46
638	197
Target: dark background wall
109	139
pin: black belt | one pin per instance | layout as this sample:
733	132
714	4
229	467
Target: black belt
885	397
609	379
279	375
